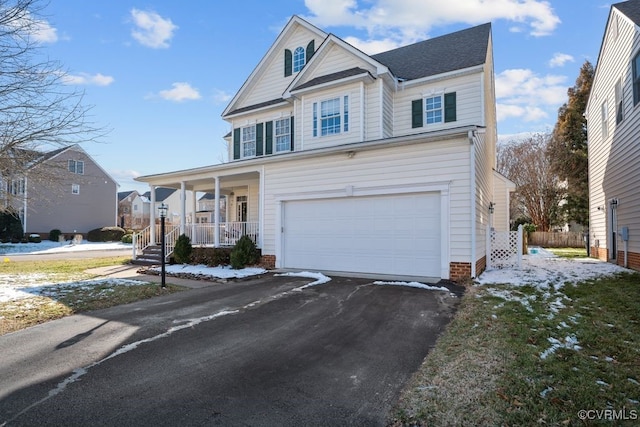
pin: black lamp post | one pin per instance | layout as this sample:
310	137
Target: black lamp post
162	210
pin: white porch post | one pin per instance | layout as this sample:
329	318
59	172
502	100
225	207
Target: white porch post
183	206
194	203
152	215
216	214
261	210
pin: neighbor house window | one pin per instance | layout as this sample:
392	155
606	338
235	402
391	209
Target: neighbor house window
636	78
75	189
433	109
16	187
283	135
605	124
331	116
249	141
298	59
619	110
76	166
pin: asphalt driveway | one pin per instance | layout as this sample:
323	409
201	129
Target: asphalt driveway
256	352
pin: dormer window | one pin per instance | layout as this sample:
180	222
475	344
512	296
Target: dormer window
298	59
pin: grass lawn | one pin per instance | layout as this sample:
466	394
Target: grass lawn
569	252
54	289
568	355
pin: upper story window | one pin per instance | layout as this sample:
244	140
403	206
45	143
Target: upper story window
331	116
635	65
294	61
283	135
434	110
619	108
249	141
16	187
75	189
76	166
298	59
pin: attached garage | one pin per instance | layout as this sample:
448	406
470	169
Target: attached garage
397	234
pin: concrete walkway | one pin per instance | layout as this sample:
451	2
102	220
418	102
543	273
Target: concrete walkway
131	271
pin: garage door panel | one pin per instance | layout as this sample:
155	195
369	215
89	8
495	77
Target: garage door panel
395	234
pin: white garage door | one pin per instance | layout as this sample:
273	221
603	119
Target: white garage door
397	234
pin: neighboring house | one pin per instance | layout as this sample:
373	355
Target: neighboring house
133	210
348	162
206	209
613	124
64	189
173	200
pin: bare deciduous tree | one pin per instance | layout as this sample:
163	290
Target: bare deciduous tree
37	110
539	191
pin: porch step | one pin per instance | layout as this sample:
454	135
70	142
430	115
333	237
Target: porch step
151	255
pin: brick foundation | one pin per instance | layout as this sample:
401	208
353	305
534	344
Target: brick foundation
481	265
268	261
459	271
633	260
599	253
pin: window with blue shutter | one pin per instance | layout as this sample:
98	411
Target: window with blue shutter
288	63
236	144
450	107
416	113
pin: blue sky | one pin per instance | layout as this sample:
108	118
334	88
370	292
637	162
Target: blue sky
158	73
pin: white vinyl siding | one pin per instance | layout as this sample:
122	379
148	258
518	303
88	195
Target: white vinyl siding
443	162
484	191
614	164
469	103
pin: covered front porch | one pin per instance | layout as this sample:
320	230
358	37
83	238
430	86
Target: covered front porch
240	215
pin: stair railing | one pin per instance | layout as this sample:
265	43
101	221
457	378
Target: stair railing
141	241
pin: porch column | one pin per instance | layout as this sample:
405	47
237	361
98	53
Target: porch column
152	215
261	210
216	214
194	203
183	206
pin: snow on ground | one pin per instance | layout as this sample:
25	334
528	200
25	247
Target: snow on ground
545	270
48	247
413	285
220	272
320	278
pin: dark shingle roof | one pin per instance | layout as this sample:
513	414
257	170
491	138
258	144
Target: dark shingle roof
455	51
631	9
332	77
256	106
123	194
161	193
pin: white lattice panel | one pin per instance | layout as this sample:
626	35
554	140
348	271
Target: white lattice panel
505	249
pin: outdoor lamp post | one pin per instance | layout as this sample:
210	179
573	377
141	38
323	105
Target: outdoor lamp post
162	211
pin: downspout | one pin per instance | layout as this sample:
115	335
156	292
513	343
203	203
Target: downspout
24	205
472	180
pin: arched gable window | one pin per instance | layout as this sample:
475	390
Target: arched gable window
298	59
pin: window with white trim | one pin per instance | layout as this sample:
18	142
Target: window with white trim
619	108
16	187
605	123
248	141
331	116
283	135
76	166
635	68
298	59
433	109
75	188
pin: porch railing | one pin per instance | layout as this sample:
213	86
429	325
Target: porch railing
200	235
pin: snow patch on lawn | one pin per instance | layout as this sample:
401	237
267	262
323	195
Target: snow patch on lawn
220	272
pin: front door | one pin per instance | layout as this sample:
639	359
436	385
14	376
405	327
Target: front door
241	208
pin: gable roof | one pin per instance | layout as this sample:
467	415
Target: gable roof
124	194
356	71
631	9
162	193
450	52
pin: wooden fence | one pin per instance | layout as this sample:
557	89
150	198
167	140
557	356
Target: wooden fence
547	239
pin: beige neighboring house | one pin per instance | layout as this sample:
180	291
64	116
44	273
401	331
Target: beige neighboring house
206	209
178	208
67	190
133	210
348	162
613	125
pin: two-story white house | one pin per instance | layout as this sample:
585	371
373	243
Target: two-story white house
613	126
348	162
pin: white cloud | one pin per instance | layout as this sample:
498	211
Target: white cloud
372	47
523	94
411	20
181	91
87	79
151	29
221	96
559	59
43	32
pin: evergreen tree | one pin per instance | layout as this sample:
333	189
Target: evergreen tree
568	148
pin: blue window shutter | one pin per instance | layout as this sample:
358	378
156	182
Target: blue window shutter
236	144
310	50
288	63
268	137
416	113
291	132
450	107
259	140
